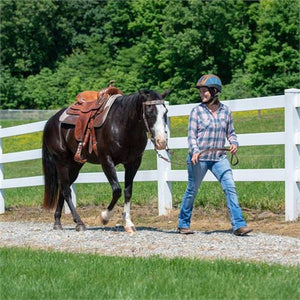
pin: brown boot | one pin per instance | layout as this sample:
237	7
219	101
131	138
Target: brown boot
243	231
185	231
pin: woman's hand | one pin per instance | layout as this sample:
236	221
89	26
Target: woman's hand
233	149
195	158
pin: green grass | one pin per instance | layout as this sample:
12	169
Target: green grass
257	195
29	274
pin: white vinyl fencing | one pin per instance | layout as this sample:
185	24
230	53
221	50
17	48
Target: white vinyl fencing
165	175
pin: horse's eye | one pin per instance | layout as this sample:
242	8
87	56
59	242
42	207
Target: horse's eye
150	111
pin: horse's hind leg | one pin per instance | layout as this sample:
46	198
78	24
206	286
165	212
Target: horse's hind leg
66	191
67	176
57	214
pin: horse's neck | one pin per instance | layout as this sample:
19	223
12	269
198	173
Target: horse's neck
131	107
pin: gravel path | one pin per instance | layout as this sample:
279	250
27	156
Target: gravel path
114	241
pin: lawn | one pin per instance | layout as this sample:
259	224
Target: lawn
29	274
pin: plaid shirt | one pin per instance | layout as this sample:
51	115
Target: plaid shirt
207	132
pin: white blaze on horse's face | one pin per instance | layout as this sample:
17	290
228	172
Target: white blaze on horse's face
159	128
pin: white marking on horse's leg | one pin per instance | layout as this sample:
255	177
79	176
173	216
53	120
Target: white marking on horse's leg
106	215
126	216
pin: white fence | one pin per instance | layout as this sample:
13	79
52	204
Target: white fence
165	175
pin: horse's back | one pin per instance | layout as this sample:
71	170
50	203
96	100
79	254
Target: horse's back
122	135
53	121
51	133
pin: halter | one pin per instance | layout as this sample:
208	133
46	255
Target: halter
150	102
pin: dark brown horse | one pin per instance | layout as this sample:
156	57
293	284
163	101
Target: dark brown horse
121	140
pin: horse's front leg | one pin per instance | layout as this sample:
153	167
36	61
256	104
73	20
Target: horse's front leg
130	171
129	226
111	174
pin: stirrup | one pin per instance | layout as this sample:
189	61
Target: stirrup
77	157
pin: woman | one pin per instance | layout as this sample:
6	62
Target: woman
210	124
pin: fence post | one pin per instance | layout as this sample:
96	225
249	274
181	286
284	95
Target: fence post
292	154
2	206
73	195
164	186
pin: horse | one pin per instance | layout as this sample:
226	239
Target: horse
120	140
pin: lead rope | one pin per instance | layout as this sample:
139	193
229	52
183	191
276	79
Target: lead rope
233	156
234	160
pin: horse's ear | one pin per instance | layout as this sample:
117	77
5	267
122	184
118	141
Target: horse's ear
165	93
144	93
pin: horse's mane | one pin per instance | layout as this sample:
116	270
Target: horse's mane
135	96
131	97
131	103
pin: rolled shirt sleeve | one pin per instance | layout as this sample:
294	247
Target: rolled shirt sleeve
192	132
230	134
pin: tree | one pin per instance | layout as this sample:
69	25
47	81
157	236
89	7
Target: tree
117	35
51	50
203	37
11	89
34	34
273	62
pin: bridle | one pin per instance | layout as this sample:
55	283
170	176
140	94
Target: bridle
155	102
151	102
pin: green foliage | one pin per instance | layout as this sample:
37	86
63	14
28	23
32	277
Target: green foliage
10	90
51	50
33	34
273	63
238	88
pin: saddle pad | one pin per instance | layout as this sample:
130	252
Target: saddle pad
100	117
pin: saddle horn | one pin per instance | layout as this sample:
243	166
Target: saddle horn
111	83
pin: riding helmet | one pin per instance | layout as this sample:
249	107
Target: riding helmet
210	81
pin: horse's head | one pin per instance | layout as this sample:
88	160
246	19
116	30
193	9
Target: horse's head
155	117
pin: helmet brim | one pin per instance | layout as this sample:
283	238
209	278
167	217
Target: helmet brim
200	86
209	86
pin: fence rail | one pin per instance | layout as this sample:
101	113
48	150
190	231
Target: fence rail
165	175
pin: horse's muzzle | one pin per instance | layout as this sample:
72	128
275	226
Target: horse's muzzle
160	144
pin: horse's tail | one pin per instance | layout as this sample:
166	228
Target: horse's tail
51	180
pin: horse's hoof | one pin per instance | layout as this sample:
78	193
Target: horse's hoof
80	227
57	227
103	221
130	229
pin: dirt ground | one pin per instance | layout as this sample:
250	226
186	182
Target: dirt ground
147	216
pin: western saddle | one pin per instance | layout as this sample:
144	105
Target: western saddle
89	111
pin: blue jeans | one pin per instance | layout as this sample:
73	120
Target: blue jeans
222	171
